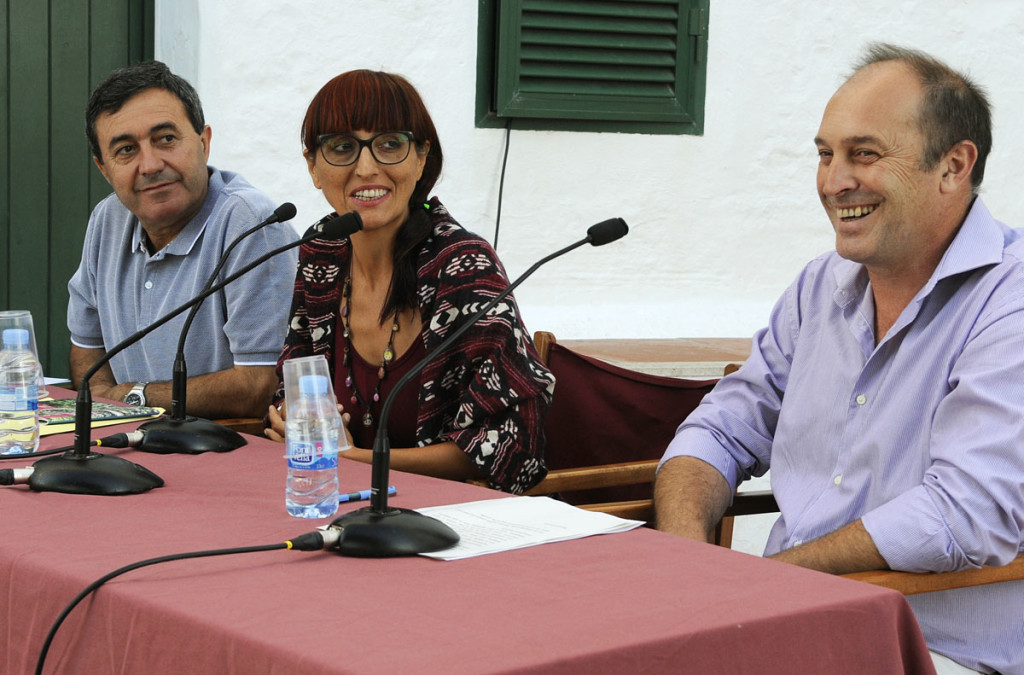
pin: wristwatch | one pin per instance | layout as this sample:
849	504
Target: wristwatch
137	396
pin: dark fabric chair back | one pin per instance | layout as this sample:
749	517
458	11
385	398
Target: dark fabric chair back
603	414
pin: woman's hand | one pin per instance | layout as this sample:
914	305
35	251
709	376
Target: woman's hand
345	419
276	416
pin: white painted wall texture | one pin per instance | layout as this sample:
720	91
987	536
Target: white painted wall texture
720	223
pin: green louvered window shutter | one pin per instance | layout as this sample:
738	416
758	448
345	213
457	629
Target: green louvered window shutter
618	65
52	53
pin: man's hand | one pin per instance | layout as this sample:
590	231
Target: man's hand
690	497
102	384
848	549
241	391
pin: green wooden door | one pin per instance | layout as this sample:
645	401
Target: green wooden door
52	53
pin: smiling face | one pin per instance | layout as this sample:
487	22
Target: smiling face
155	161
379	192
885	209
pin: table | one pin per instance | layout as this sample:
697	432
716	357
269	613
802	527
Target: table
670	357
641	601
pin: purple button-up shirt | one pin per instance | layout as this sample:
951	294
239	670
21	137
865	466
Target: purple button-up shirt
921	436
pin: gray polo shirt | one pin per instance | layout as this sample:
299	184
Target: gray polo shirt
120	288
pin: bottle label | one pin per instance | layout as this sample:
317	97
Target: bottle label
311	456
19	399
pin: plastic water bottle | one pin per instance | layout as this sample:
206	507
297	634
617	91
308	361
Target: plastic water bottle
311	432
19	397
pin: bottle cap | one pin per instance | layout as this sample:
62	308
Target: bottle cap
16	337
313	385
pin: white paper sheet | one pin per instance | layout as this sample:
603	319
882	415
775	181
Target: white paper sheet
494	525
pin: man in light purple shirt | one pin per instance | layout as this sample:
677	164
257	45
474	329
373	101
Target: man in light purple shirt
887	392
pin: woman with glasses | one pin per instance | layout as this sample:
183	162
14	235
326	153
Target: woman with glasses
375	305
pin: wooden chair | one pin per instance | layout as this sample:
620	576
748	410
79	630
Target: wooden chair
243	425
910	583
600	415
907	583
571	480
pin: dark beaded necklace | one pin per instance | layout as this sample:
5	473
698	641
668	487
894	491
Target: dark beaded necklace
386	359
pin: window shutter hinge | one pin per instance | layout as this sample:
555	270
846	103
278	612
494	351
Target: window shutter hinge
698	29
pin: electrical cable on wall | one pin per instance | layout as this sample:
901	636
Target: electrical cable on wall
501	181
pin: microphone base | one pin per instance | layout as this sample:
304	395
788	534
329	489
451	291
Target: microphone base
368	533
92	474
190	436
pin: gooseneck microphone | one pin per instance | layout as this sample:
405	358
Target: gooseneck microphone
83	472
378	531
282	213
188	434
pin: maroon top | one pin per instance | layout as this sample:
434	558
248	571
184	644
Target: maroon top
490	392
402	418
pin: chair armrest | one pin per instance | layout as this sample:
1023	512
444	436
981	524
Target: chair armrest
907	583
910	583
628	473
750	503
243	425
589	477
639	509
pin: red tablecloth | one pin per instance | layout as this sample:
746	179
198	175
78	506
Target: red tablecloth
638	602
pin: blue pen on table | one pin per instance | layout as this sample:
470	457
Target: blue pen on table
363	495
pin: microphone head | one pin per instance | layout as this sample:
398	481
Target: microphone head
284	212
607	231
340	227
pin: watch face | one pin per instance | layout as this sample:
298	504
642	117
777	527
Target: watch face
133	399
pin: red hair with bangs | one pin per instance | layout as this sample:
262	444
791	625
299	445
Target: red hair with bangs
374	101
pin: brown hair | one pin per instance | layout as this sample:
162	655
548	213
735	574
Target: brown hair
954	108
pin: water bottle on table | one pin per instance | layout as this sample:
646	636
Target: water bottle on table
22	318
19	395
313	436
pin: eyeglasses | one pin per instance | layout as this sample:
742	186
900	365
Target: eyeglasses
388	147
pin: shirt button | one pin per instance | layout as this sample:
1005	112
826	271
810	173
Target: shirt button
149	284
861	399
798	542
837	480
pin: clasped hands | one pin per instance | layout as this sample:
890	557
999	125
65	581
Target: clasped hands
278	414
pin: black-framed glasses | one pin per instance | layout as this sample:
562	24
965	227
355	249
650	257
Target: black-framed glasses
387	147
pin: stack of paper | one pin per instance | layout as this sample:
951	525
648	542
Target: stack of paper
494	525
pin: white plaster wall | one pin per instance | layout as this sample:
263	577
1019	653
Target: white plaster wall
720	223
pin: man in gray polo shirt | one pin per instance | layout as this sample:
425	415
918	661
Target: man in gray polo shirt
152	245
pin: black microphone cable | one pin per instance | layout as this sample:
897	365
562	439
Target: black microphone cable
310	541
29	455
128	439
